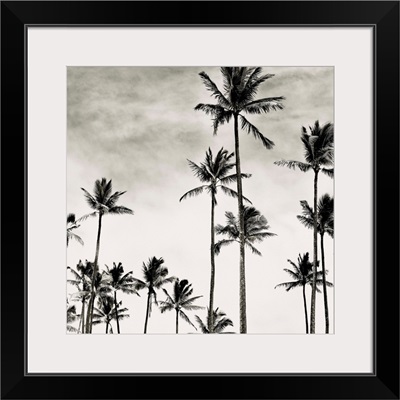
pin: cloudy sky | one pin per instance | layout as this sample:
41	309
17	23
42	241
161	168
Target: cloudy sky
138	127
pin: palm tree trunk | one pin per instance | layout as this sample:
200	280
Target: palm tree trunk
315	240
116	310
305	307
82	321
324	285
107	327
176	321
147	312
212	280
89	315
242	279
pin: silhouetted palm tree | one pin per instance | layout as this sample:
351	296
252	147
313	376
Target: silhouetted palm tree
155	276
71	318
302	275
107	311
221	322
255	229
103	202
81	281
318	153
179	301
240	85
120	281
71	225
324	225
214	173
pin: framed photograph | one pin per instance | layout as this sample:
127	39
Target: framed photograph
209	196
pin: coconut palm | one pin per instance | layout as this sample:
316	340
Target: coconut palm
81	281
179	301
240	85
155	276
221	322
214	173
120	281
255	230
71	318
103	202
324	225
107	310
318	154
72	224
303	275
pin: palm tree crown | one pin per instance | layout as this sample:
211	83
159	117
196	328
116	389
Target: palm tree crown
221	322
108	311
180	300
72	224
255	229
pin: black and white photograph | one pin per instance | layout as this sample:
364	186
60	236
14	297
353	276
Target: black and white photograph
200	200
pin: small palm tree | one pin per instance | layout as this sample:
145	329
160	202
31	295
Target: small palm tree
240	86
214	173
81	281
103	202
179	301
155	276
302	275
71	318
120	281
221	322
108	311
324	225
71	225
318	154
255	230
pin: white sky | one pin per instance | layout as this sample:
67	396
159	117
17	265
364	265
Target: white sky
137	127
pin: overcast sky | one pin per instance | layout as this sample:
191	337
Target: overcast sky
138	127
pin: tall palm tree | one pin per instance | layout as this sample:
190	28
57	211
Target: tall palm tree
221	322
81	281
103	202
240	86
214	173
107	311
155	276
303	275
324	225
255	230
72	224
120	281
179	301
318	154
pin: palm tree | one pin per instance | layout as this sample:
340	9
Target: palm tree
72	224
255	229
179	301
155	276
324	225
120	281
107	311
71	317
240	87
103	202
81	281
214	173
318	153
221	322
303	275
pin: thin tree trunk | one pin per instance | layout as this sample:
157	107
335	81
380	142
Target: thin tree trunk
89	315
82	321
212	280
324	285
305	307
315	260
242	283
107	327
116	310
147	312
176	321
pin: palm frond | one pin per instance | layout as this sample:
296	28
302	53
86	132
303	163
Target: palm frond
233	193
247	126
120	210
212	87
328	171
293	165
193	192
221	243
264	105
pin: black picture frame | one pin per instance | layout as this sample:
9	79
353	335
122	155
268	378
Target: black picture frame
383	383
